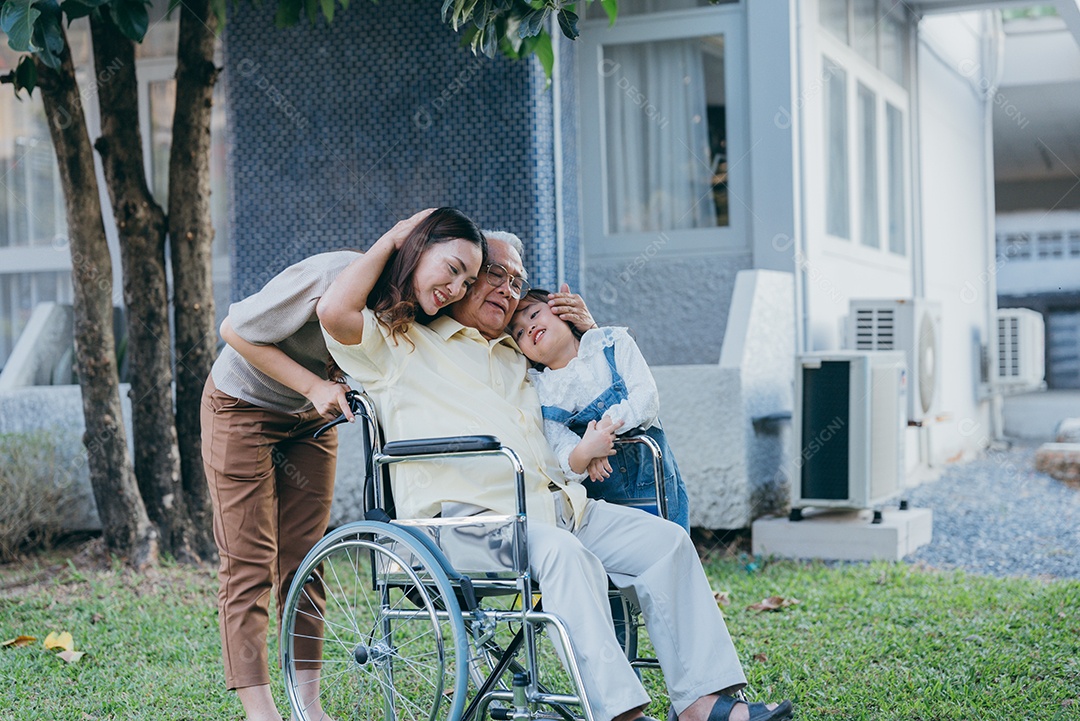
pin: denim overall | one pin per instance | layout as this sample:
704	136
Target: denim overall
632	469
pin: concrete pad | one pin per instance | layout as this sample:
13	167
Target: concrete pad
1035	416
1068	431
1060	461
844	535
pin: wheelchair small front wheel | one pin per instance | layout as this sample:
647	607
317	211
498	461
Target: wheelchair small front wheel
371	629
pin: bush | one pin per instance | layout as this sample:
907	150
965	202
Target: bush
34	481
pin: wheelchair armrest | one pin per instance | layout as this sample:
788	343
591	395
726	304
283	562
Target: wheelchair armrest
452	444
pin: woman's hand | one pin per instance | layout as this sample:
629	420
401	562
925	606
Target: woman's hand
571	308
397	235
329	399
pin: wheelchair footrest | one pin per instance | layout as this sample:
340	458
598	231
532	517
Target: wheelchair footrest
452	444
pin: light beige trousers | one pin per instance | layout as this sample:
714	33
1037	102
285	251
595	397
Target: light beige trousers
656	562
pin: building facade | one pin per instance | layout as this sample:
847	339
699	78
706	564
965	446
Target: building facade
846	144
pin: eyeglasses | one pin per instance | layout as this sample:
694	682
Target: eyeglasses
497	275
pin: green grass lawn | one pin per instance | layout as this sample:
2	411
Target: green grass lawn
879	641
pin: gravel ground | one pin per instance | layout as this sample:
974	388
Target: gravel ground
998	516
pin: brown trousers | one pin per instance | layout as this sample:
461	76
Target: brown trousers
271	484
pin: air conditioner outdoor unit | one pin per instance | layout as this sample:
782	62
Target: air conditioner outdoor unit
1021	361
911	325
849	425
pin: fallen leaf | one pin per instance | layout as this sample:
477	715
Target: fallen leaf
71	656
722	598
60	640
772	603
19	641
96	618
761	658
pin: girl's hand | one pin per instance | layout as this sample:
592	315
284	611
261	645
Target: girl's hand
329	399
570	307
598	441
403	228
599	469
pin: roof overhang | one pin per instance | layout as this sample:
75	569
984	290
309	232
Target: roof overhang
1068	10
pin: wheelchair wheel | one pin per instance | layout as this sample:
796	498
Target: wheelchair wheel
371	629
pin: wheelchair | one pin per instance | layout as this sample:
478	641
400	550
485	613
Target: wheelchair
402	616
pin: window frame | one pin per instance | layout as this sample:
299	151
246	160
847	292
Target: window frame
859	72
726	20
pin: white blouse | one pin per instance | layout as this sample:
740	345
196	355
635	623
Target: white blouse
576	385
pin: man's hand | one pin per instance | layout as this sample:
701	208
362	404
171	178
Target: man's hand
571	308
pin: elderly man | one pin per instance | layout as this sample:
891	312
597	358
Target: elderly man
462	374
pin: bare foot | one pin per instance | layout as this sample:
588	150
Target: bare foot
258	703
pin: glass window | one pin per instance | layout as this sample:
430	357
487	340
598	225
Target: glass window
836	151
162	104
894	134
893	35
31	198
867	163
19	294
833	16
595	11
877	31
864	30
666	135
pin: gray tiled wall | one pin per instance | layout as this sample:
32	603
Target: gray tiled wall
337	132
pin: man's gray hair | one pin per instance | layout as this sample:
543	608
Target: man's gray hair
507	237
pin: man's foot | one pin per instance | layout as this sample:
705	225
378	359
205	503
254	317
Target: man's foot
721	707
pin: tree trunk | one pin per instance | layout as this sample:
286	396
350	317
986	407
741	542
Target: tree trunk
127	529
191	234
140	223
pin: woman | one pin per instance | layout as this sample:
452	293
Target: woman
271	483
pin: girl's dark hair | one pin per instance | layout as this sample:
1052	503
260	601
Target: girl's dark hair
393	298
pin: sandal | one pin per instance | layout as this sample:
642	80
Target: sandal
721	710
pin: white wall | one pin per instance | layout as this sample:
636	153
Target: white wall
950	172
1019	275
958	263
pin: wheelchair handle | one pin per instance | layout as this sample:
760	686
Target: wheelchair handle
354	404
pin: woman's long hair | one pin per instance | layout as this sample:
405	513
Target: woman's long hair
393	299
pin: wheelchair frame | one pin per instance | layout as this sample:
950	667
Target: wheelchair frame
413	581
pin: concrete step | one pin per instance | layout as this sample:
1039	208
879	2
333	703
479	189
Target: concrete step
844	535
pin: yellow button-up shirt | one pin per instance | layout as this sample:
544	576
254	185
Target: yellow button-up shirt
452	382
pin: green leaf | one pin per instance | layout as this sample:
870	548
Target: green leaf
219	8
328	10
75	9
311	8
288	13
545	54
611	7
532	23
25	75
49	34
132	18
17	18
568	23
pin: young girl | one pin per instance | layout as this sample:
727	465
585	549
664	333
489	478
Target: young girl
593	387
